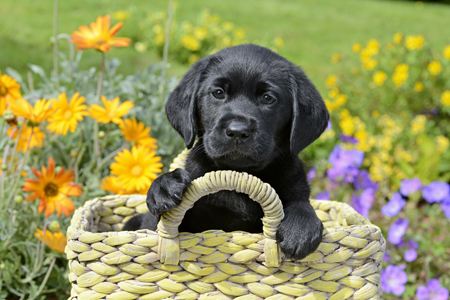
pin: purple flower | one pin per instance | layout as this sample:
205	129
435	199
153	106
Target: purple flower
445	206
393	280
433	291
343	159
410	186
348	139
345	175
394	206
363	203
397	231
363	181
436	191
323	196
329	126
387	257
312	174
410	255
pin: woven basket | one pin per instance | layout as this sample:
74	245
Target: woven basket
106	263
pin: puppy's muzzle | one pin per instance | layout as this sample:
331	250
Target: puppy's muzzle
237	131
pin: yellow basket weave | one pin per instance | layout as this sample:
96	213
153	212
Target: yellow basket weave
106	263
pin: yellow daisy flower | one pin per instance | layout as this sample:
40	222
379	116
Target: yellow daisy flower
414	42
137	169
3	106
379	78
37	114
445	98
434	67
56	241
136	132
331	81
190	42
52	189
29	138
398	38
9	88
67	114
99	36
356	47
446	52
111	112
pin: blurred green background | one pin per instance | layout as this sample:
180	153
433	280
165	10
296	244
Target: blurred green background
312	30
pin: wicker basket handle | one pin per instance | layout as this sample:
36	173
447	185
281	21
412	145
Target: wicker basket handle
211	183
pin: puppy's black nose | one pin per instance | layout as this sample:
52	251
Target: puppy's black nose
237	131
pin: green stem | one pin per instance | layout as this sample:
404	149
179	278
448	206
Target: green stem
55	42
47	275
166	46
106	137
97	100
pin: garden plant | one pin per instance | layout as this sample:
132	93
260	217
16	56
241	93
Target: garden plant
76	134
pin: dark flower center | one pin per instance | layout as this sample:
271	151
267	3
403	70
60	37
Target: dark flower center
3	90
51	190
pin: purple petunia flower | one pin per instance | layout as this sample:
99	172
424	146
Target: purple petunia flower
394	206
344	175
345	164
311	173
410	186
397	231
410	255
363	203
433	291
393	280
323	196
436	191
362	181
348	139
445	206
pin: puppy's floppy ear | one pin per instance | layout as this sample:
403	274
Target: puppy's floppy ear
181	105
309	115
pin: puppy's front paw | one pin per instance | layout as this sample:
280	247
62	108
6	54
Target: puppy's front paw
166	191
299	234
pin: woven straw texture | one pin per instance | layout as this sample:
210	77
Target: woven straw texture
106	263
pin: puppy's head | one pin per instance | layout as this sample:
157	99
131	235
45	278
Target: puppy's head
249	105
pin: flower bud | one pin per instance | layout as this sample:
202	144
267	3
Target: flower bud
57	169
10	118
74	153
11	143
18	199
101	134
54	226
3	167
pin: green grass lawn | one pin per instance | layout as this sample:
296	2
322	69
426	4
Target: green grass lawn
312	29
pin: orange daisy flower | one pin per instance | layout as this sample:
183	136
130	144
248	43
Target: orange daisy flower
52	189
99	36
111	112
137	169
56	241
3	106
33	134
37	114
9	88
67	114
136	132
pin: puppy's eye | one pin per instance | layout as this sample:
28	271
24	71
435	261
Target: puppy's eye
218	94
267	99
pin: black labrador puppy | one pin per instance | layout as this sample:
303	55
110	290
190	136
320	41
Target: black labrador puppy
252	111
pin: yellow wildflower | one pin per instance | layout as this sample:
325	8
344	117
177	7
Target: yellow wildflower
400	74
67	114
398	38
200	33
30	137
414	42
445	98
327	134
373	46
121	15
356	47
418	124
336	57
376	114
193	58
35	114
418	86
447	52
333	93
137	168
379	78
369	64
341	100
239	33
190	43
9	88
227	26
111	112
434	67
344	113
331	81
442	143
56	241
385	143
136	132
279	42
347	125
